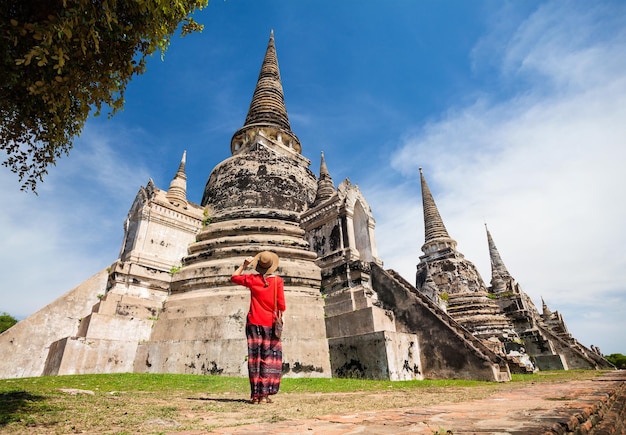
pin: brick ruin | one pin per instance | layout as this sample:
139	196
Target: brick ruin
166	305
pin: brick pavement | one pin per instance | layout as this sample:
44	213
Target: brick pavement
595	406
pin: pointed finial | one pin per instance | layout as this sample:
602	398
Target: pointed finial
267	109
546	311
323	168
497	265
432	219
435	234
268	101
177	193
499	273
325	186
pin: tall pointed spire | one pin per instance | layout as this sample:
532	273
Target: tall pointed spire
499	273
267	113
177	193
268	101
496	261
436	236
325	186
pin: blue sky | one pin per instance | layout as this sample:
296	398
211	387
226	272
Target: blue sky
515	110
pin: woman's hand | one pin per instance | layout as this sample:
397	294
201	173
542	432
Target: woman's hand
245	264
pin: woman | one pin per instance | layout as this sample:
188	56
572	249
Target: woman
267	301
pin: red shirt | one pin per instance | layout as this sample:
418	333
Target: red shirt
261	297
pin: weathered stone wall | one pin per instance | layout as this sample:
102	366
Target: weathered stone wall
447	351
261	178
325	239
363	340
376	355
452	273
107	338
80	355
548	362
25	345
203	332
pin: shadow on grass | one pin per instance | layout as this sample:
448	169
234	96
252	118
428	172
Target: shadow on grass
13	403
221	399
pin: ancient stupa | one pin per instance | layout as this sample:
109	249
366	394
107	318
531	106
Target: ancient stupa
252	202
458	282
545	336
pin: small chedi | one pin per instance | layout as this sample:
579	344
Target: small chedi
166	305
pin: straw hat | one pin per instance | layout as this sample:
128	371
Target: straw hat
265	262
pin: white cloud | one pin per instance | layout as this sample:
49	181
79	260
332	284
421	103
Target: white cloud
543	168
563	42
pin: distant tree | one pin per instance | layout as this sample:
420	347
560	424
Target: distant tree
61	59
617	359
6	321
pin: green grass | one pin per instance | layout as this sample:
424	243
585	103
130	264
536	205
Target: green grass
557	376
337	385
213	384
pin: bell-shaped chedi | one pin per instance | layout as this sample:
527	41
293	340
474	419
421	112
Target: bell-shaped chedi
253	202
254	199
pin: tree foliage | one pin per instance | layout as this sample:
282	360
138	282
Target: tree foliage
62	59
6	321
617	359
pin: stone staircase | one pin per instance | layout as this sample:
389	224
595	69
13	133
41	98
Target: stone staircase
471	342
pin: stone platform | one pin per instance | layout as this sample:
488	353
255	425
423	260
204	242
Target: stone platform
595	406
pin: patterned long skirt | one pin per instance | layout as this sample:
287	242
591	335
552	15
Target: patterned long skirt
265	361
